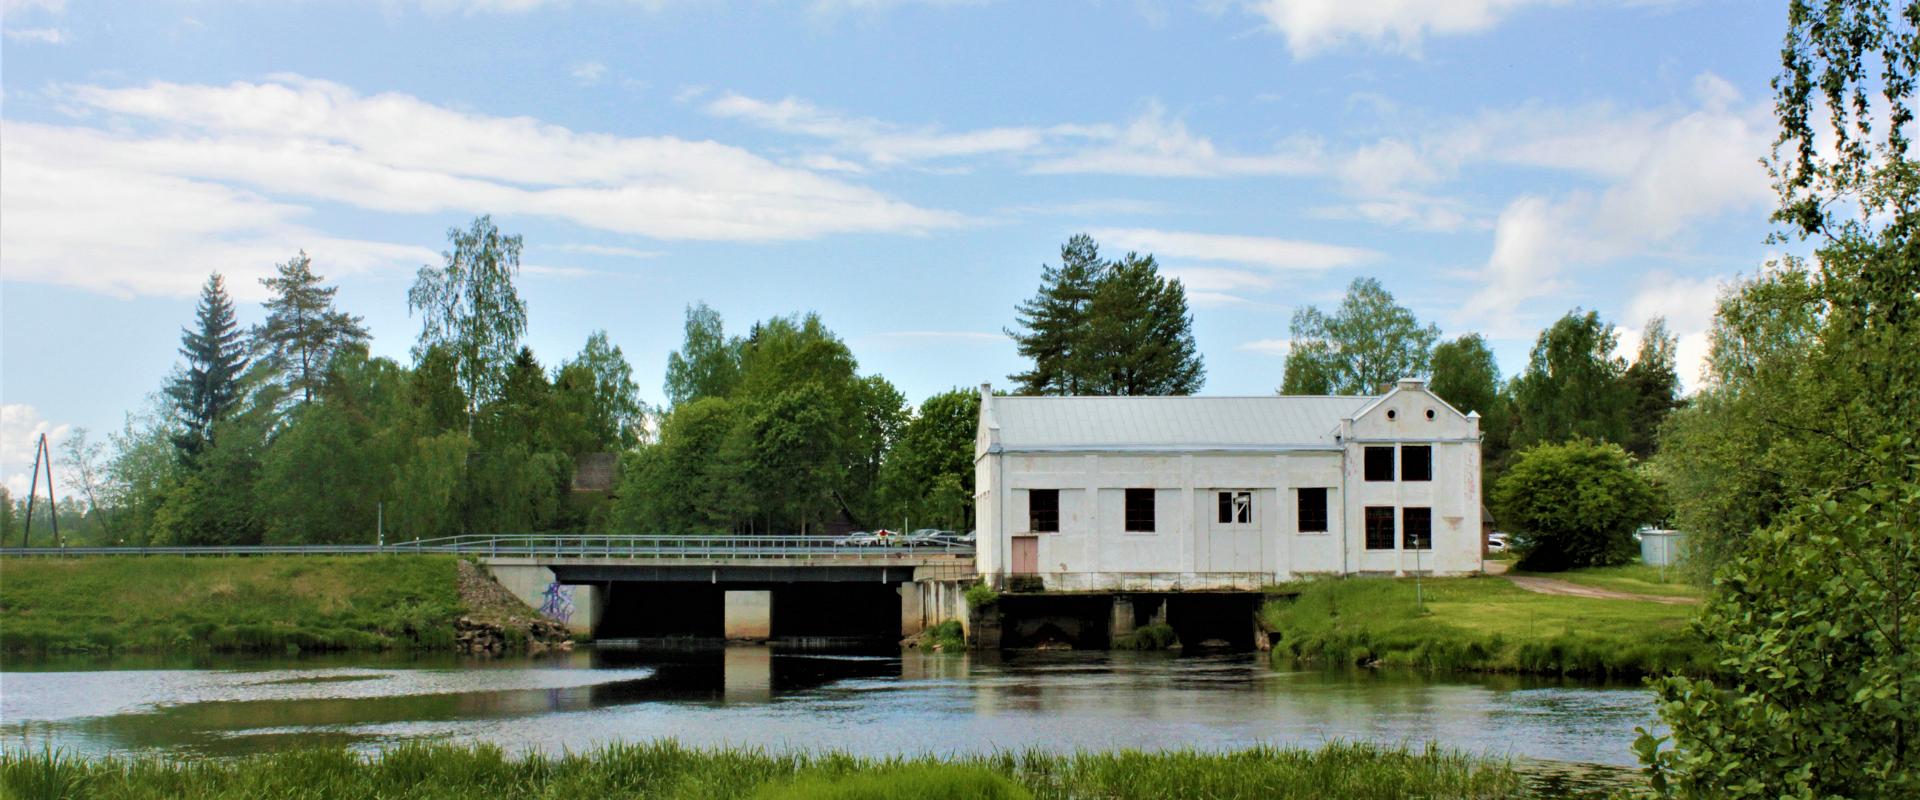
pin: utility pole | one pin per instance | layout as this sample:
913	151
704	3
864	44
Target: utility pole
41	455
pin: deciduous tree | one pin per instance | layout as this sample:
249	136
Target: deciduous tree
469	308
1361	348
707	363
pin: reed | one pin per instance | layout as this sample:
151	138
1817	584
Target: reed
667	770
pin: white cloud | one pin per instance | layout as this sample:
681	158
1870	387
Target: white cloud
22	6
1268	347
588	73
1258	251
1688	305
608	250
20	428
41	35
879	142
1154	145
1664	174
1313	26
184	178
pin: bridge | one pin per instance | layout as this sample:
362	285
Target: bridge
646	586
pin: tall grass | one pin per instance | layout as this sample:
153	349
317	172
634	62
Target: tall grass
1480	624
258	604
668	770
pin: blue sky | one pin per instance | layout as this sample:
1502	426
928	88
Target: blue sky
902	168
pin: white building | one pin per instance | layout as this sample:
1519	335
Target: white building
1215	492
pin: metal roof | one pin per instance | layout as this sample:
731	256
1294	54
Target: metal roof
1277	422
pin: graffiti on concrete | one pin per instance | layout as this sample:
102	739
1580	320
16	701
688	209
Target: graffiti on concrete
556	603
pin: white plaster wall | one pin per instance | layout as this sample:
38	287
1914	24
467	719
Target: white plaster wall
1453	494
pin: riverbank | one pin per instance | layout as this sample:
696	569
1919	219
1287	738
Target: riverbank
669	770
1484	624
262	604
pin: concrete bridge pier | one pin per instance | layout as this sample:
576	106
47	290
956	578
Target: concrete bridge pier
749	614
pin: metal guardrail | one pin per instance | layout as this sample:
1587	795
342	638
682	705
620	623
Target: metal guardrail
690	548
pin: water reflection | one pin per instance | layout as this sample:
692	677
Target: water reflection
866	702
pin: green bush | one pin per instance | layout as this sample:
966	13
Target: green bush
1574	504
981	595
950	636
1148	637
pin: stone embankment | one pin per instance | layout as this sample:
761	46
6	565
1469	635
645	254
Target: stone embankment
497	623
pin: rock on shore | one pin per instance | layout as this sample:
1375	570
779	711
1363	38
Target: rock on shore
497	622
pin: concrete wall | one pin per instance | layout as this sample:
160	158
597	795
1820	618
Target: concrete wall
533	583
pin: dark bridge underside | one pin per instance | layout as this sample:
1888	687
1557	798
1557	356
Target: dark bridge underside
733	574
664	609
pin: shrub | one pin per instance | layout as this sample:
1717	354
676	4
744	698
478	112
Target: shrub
948	636
1576	503
981	595
1148	637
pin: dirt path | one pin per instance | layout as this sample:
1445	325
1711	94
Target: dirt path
1551	586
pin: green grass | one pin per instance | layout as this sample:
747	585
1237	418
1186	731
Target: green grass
1481	624
667	770
1631	578
259	604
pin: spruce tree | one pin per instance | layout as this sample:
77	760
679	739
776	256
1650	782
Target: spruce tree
1056	321
303	331
216	352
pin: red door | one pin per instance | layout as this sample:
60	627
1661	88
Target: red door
1026	555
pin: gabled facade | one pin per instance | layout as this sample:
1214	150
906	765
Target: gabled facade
1224	492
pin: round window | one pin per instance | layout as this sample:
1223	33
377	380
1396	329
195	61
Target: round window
1392	413
1429	413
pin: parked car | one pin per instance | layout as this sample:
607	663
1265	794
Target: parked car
857	539
933	537
1496	545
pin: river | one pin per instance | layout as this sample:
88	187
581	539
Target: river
862	702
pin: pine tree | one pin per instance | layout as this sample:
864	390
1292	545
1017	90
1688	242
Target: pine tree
303	332
1139	340
216	353
1056	321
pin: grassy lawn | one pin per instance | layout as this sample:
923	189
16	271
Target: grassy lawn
1481	623
1631	578
667	770
260	604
